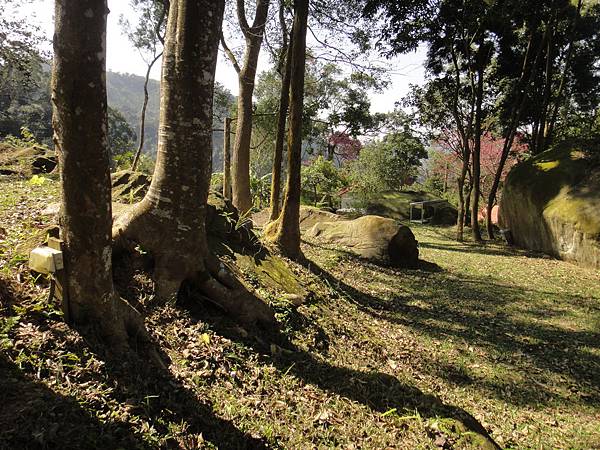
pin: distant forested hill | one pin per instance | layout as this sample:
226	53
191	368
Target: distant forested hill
28	104
126	94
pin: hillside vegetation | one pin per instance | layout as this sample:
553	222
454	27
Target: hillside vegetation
474	341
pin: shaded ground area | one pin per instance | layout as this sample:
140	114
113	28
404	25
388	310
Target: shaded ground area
477	340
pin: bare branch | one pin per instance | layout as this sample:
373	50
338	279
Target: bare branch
230	55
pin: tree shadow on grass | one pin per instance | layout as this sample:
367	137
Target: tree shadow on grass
125	390
423	265
34	416
376	390
475	310
487	250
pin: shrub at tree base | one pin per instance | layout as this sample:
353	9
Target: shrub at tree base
371	237
551	204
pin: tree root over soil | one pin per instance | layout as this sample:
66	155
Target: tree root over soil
178	261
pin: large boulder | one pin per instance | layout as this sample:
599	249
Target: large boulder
396	205
551	203
371	237
310	215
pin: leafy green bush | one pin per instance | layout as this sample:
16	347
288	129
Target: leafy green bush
321	181
387	165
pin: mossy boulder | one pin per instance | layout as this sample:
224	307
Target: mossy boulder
396	205
310	215
26	161
551	203
129	186
371	237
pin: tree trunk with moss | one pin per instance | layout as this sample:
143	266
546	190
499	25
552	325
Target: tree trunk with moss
285	232
284	100
80	135
170	221
227	158
475	229
253	34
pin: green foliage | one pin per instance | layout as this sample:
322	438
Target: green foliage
260	189
387	164
121	137
124	161
25	100
27	139
321	181
333	102
216	181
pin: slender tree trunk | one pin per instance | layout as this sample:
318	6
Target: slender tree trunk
143	114
541	143
285	232
477	153
242	197
468	199
284	100
169	222
460	227
80	126
465	134
227	158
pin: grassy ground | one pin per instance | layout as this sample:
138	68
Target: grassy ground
480	340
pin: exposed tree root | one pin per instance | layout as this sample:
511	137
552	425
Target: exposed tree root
176	261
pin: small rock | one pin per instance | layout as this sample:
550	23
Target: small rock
294	299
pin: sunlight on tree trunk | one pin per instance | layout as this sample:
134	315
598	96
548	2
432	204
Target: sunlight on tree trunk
80	126
242	198
170	221
227	158
285	232
284	100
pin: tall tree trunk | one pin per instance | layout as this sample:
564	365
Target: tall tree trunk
80	135
559	97
477	153
169	222
284	100
468	199
520	95
142	126
462	206
242	198
465	131
541	142
285	232
227	158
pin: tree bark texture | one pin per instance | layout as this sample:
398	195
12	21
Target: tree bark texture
227	158
80	136
242	197
169	222
475	230
286	231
